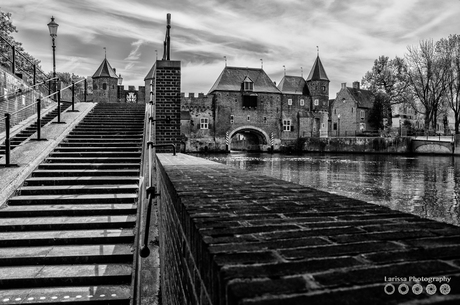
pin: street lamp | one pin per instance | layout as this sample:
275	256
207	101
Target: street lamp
120	80
53	26
338	128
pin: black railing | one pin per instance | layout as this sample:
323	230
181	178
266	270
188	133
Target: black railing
38	104
148	192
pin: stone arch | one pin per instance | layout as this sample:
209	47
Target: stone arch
260	132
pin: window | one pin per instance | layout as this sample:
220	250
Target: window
231	119
316	102
302	102
248	84
323	88
335	126
287	125
250	101
335	111
362	114
204	123
265	120
352	109
290	102
104	86
249	118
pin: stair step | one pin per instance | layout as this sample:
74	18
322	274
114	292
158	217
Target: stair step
84	172
67	223
88	180
98	148
78	189
101	139
111	154
66	237
101	294
98	144
67	210
66	254
92	160
88	165
64	275
73	199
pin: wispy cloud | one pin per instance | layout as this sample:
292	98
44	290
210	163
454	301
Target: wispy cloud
350	34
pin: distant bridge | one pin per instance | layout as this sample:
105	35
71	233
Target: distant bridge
436	144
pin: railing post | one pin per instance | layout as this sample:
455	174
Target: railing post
13	67
49	87
39	123
7	140
73	98
35	74
86	89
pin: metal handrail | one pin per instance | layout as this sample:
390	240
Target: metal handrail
38	104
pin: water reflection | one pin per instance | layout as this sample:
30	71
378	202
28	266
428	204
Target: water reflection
427	186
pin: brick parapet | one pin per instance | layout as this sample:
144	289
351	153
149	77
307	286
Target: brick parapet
234	237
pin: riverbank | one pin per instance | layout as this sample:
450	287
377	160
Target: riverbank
382	145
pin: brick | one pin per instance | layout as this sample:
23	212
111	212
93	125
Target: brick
278	244
288	268
414	254
389	235
338	250
245	258
253	288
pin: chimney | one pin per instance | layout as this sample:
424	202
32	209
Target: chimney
356	85
344	85
191	94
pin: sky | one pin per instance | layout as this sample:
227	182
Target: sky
282	35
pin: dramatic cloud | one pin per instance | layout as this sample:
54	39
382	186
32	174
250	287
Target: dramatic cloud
350	34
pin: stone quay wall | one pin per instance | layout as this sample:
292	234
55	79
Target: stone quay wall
232	237
351	145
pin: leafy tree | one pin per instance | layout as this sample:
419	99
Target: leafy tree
388	78
450	48
24	62
376	114
427	76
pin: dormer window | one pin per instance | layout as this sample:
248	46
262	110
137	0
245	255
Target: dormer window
248	84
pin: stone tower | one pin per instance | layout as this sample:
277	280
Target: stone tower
318	85
105	84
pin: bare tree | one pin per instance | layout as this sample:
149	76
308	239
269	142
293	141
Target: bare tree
450	47
428	77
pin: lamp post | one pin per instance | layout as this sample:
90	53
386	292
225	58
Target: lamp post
338	127
53	26
120	82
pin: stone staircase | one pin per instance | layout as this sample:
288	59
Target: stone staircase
27	132
68	233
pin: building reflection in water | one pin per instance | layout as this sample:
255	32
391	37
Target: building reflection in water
428	186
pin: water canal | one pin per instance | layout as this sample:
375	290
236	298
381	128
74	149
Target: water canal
428	186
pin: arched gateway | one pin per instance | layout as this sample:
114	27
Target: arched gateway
251	138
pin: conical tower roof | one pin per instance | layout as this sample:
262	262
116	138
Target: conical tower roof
317	72
105	70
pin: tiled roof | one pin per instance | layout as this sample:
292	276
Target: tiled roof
151	74
231	79
292	85
105	70
364	98
317	72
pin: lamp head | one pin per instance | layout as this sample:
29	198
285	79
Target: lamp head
53	26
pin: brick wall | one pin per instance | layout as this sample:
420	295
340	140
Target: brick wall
233	237
167	102
10	84
107	95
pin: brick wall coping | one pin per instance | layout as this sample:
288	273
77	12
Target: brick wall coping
253	239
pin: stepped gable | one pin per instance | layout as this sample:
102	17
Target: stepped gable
231	79
317	71
105	70
292	85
